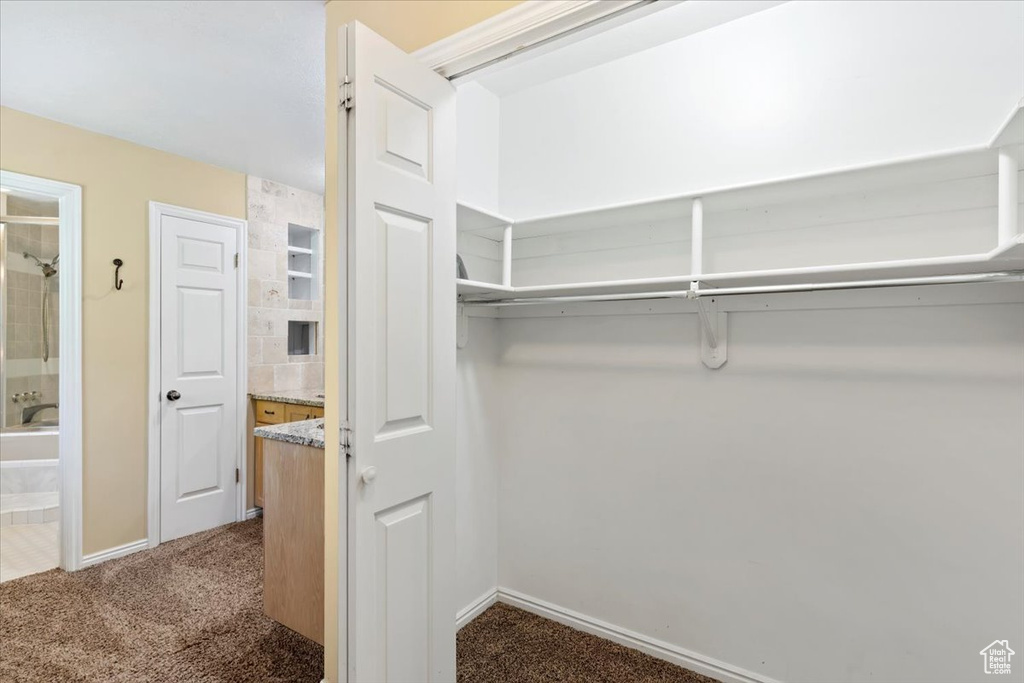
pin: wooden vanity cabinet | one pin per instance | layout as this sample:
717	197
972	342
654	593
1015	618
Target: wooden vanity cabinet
272	413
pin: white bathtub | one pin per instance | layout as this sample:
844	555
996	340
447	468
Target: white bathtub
35	443
28	460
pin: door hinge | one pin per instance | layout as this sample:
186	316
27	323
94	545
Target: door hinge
346	441
345	95
236	260
238	475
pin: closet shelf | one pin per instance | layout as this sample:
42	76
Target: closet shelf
1012	132
472	287
469	218
1005	258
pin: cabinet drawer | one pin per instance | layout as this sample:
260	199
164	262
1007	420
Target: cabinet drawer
269	412
296	413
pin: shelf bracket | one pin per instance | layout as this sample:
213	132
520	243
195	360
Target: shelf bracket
714	329
462	328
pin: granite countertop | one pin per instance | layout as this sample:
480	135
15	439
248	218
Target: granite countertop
305	433
304	397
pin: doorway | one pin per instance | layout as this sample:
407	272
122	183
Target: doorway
197	368
40	375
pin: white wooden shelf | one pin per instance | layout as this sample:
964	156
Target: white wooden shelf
469	218
299	274
830	199
1006	258
1012	132
475	289
299	250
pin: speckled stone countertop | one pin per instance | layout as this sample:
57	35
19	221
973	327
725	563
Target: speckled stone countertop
305	433
303	397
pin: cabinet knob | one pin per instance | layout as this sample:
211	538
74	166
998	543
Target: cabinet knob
369	474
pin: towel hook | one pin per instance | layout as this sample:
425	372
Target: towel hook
117	269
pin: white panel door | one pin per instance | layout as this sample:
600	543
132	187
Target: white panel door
401	239
199	376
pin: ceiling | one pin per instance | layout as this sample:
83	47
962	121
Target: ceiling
237	84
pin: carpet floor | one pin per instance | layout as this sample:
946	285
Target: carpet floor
192	610
508	645
188	610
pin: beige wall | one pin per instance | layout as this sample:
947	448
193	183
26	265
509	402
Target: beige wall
118	179
410	24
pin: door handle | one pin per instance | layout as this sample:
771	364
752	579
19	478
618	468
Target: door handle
173	395
369	474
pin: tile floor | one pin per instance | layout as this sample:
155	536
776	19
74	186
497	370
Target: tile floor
28	549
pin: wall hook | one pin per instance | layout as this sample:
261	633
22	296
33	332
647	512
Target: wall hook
117	270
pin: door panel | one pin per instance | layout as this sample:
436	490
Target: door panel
400	147
198	324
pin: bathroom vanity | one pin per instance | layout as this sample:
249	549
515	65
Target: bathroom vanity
278	408
293	525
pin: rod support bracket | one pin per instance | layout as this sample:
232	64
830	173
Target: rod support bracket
714	329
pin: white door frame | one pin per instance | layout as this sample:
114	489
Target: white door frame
156	212
69	465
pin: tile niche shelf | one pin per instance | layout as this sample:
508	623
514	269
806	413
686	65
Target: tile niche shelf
303	262
925	190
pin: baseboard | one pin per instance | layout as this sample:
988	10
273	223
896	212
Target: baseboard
475	608
112	553
656	648
253	513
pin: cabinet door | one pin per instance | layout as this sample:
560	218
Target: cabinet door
315	412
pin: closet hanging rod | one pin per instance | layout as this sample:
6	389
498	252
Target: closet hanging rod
1008	276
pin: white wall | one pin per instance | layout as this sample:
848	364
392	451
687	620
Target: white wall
479	114
478	417
796	89
843	501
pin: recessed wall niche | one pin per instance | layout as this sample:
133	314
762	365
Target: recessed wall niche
303	258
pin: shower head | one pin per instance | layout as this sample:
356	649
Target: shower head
49	269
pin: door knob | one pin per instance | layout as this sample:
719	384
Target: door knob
369	474
173	395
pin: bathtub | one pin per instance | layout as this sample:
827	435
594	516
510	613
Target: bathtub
30	442
28	459
28	475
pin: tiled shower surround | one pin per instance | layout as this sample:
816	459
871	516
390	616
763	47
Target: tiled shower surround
25	370
271	208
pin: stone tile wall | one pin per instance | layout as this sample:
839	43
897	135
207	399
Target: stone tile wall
271	208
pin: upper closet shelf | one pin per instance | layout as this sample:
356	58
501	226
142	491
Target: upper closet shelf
1006	258
470	218
1012	132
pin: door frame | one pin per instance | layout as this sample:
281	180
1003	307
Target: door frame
69	435
157	211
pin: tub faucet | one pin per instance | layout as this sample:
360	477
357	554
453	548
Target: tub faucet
28	413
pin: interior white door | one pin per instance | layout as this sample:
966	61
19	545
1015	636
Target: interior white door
198	374
401	260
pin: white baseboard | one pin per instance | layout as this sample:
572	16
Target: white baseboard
111	553
475	608
253	513
693	661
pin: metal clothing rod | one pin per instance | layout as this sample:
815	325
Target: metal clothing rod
1009	276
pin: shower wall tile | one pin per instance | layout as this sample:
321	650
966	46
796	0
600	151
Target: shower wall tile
271	207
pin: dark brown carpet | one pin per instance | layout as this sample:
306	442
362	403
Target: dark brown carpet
508	645
189	610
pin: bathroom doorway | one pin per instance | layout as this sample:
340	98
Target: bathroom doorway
40	376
